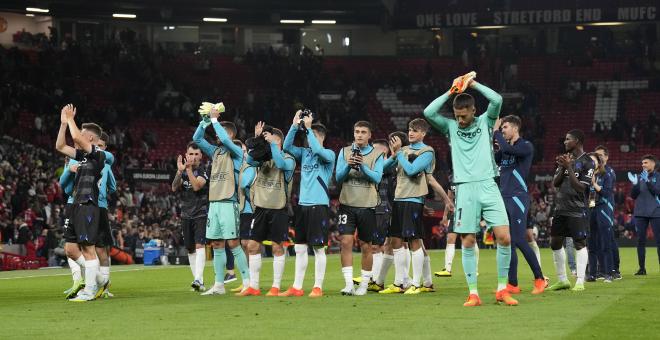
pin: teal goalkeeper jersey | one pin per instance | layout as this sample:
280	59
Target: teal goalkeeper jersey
472	153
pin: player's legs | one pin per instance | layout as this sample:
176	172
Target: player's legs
189	243
655	226
518	219
605	224
366	225
641	224
91	270
570	254
301	250
346	226
594	245
468	242
199	237
531	240
254	254
450	252
388	261
395	242
615	256
317	235
558	233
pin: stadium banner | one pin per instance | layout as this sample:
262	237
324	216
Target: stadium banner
424	17
148	175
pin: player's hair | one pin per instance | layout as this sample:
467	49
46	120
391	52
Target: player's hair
419	124
382	142
512	119
602	147
578	134
650	157
402	136
277	132
104	137
192	145
320	128
94	128
362	123
463	101
229	125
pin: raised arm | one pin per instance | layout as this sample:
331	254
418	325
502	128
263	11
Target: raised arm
342	169
247	178
418	165
608	185
67	177
78	138
523	149
180	168
236	151
326	155
288	146
198	138
494	99
437	120
375	174
286	164
654	187
60	143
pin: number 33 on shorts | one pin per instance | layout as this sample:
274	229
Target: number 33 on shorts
342	219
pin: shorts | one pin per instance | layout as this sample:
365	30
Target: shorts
311	224
477	200
270	224
407	221
362	219
517	209
566	226
69	234
245	226
194	232
382	226
86	222
105	234
223	221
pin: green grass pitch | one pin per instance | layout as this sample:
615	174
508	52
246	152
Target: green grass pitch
155	303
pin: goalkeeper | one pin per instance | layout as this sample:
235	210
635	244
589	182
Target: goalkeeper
223	215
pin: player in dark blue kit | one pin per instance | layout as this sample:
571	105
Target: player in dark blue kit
601	222
604	157
646	192
515	159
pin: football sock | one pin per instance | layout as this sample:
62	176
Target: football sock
537	251
388	260
219	262
366	278
200	263
348	277
192	257
559	257
399	265
301	265
377	264
476	254
581	259
255	267
503	262
470	269
75	270
426	273
242	263
105	273
278	270
319	266
450	251
417	266
91	270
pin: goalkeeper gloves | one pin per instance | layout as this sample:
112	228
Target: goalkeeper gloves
461	83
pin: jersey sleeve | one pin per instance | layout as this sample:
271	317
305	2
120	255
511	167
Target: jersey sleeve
585	172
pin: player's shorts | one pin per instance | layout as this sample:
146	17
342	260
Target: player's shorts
407	220
69	233
476	200
566	226
362	219
86	222
105	233
194	232
270	224
517	209
246	225
380	232
311	224
223	221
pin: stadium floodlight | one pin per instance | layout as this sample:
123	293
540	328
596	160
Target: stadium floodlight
124	15
292	21
614	23
579	28
324	22
215	19
29	15
37	9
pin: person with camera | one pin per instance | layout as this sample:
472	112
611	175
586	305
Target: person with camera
312	216
269	196
359	170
